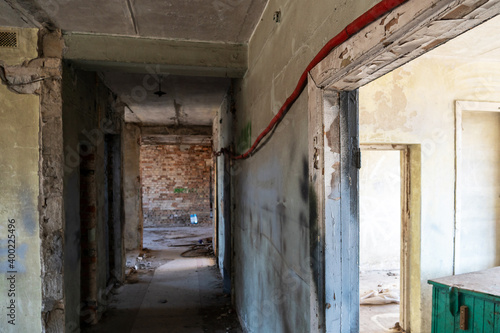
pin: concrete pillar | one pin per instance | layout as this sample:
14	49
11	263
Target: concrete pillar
131	137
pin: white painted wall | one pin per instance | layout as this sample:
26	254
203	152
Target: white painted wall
415	105
380	210
479	245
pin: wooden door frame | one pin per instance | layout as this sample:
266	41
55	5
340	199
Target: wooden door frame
406	224
334	211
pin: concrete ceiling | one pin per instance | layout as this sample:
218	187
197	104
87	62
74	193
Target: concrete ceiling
11	18
188	101
125	38
480	44
231	21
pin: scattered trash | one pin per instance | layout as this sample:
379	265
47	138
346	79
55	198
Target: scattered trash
205	240
140	264
379	297
194	219
397	328
199	250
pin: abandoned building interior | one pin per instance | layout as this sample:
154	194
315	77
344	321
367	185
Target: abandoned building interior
248	165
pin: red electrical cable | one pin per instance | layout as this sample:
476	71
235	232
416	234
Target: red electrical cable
371	15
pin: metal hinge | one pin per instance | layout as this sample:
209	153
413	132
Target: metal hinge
356	152
357	158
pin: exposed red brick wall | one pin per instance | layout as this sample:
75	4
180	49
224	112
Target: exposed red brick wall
175	183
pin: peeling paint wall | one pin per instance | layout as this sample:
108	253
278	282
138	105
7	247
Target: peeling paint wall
271	190
19	190
132	201
415	104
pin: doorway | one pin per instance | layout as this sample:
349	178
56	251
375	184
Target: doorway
383	202
176	194
477	186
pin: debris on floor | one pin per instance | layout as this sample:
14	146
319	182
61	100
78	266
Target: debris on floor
397	328
379	297
157	295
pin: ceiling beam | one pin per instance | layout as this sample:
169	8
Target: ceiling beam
175	130
198	140
394	39
149	55
174	135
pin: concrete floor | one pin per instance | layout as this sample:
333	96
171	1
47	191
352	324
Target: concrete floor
170	293
378	318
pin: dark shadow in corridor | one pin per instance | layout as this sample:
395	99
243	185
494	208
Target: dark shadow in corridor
169	292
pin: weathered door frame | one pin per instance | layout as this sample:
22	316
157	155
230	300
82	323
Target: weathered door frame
407	238
392	40
333	172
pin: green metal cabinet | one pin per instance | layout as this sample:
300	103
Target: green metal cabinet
467	302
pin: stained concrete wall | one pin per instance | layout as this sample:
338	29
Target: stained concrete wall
271	201
84	126
380	210
132	201
19	166
415	104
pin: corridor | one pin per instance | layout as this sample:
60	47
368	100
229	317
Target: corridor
122	122
181	293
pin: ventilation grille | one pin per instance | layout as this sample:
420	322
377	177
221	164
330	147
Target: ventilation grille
8	39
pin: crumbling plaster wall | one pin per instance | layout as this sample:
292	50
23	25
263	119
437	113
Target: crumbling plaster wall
86	100
272	231
415	104
19	191
132	201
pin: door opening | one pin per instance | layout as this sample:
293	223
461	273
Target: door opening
383	237
477	186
